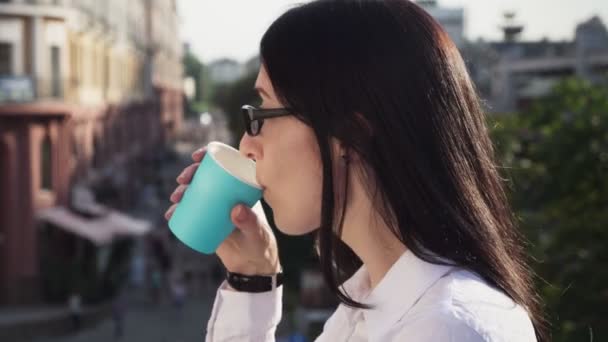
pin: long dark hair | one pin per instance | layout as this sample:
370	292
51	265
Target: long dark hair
385	79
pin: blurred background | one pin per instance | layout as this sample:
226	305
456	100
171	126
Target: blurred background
102	102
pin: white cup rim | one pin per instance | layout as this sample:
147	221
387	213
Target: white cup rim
214	146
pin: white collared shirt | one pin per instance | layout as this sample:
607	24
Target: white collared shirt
416	301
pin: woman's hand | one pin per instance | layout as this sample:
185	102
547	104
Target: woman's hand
251	249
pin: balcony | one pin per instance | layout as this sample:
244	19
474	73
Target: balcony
58	9
16	89
20	89
42	2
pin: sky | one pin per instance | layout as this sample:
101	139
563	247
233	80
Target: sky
233	28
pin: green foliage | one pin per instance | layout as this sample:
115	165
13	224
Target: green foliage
231	97
556	155
195	69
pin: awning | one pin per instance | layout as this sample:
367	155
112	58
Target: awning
75	224
99	230
122	224
83	200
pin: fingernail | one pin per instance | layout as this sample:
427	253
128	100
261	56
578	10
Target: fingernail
180	178
199	151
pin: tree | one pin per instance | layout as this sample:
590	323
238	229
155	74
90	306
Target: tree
231	97
556	155
194	68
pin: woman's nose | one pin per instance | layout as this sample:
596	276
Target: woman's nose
250	147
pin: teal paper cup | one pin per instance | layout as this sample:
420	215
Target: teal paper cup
224	179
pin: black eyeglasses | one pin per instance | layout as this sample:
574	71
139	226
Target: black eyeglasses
254	117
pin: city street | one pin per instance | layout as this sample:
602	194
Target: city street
145	322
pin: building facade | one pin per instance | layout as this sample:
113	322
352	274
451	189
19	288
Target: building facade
451	19
225	70
511	73
87	88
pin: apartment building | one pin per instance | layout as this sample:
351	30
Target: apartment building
87	88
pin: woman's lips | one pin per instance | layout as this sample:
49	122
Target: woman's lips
257	180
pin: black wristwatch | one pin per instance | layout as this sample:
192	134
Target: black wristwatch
256	284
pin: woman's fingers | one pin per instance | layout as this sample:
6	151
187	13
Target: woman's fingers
176	196
170	211
198	155
186	176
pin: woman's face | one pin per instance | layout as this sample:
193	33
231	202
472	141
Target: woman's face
288	165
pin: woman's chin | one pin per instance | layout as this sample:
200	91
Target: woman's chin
292	228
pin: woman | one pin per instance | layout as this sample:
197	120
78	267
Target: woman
377	142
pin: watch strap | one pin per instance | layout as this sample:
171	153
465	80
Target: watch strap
254	283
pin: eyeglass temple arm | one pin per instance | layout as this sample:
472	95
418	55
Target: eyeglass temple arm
269	113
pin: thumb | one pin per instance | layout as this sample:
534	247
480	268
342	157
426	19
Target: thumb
244	218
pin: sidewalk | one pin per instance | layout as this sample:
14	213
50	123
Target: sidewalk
23	324
162	323
11	316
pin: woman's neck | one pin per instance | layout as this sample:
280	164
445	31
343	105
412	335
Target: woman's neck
366	233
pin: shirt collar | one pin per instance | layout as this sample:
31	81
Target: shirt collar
400	288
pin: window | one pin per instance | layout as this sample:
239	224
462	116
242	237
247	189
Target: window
6	58
46	173
56	90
